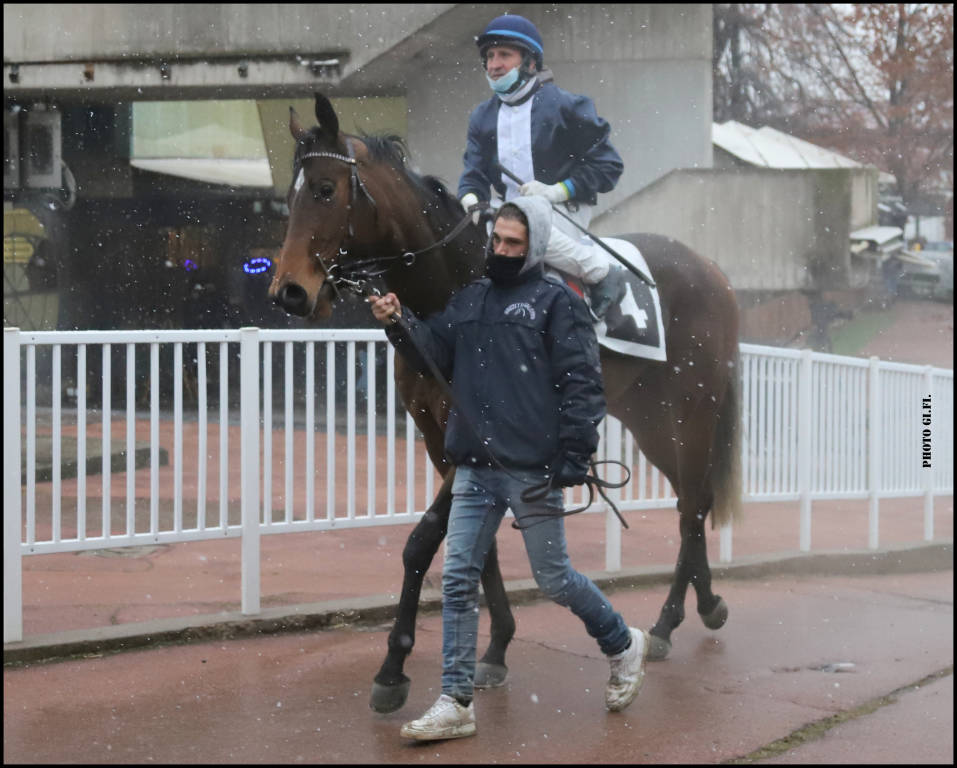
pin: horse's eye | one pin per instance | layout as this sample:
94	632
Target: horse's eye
325	191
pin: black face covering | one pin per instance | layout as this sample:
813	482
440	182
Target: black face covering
503	269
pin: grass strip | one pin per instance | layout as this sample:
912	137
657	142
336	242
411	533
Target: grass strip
817	729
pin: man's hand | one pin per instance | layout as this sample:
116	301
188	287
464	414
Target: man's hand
572	471
554	193
469	200
384	307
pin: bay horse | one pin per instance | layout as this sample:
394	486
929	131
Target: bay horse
356	209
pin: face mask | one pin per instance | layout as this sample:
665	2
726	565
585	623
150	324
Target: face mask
505	83
503	269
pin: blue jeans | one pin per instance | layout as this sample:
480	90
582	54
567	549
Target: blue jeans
479	500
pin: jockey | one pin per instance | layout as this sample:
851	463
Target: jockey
551	139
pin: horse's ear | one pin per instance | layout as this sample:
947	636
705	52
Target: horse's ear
295	127
326	115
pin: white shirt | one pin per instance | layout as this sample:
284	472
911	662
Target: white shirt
515	144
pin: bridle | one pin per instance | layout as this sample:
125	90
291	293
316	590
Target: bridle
356	275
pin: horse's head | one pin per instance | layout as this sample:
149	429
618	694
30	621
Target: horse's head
357	212
324	212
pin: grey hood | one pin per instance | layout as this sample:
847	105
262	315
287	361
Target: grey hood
538	211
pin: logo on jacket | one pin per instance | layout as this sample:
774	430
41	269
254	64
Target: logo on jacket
521	309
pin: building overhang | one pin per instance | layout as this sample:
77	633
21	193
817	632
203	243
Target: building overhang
230	172
175	79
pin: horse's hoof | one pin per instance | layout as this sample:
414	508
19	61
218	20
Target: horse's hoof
718	615
389	698
659	648
490	675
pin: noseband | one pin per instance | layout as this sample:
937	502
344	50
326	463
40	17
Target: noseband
354	276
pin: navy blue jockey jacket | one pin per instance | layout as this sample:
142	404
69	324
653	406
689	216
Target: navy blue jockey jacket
569	143
523	360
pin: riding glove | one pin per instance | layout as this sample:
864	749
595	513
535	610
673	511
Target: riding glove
468	202
554	193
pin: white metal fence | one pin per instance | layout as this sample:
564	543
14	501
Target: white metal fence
815	426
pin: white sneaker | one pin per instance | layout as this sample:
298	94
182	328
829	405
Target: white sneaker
627	672
446	719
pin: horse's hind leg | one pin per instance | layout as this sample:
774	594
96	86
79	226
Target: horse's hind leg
692	568
695	498
490	671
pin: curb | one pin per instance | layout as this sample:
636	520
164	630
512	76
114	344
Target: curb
377	609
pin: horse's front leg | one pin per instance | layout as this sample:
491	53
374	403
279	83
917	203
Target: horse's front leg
391	687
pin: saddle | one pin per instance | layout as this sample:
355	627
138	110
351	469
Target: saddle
633	326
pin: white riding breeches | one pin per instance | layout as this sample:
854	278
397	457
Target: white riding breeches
572	252
569	250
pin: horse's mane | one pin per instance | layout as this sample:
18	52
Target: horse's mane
431	190
391	150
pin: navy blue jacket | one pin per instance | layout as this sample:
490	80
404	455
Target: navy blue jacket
569	143
523	361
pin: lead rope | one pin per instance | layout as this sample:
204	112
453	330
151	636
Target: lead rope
535	492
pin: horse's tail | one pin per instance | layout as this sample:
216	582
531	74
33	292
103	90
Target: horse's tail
726	454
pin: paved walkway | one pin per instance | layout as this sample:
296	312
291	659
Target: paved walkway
807	670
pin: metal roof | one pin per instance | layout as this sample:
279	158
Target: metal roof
773	149
879	235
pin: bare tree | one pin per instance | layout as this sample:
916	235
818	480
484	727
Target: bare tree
740	47
873	81
753	81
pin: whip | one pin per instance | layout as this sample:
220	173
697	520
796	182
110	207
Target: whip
627	264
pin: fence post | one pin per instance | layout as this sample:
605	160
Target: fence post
249	467
926	461
805	431
612	524
873	450
724	542
12	512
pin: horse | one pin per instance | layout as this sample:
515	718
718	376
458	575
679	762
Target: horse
357	211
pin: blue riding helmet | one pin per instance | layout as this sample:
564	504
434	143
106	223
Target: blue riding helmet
513	30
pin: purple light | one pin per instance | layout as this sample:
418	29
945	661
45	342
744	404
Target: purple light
256	266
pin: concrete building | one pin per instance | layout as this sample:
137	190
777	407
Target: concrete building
648	67
410	69
776	213
118	75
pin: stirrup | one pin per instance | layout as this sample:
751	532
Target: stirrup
607	291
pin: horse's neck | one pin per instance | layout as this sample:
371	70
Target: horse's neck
428	284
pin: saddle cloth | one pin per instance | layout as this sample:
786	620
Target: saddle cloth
634	325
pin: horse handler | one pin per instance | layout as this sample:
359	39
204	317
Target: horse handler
522	356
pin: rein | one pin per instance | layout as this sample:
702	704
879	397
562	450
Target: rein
355	275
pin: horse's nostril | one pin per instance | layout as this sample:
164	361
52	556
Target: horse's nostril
292	298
